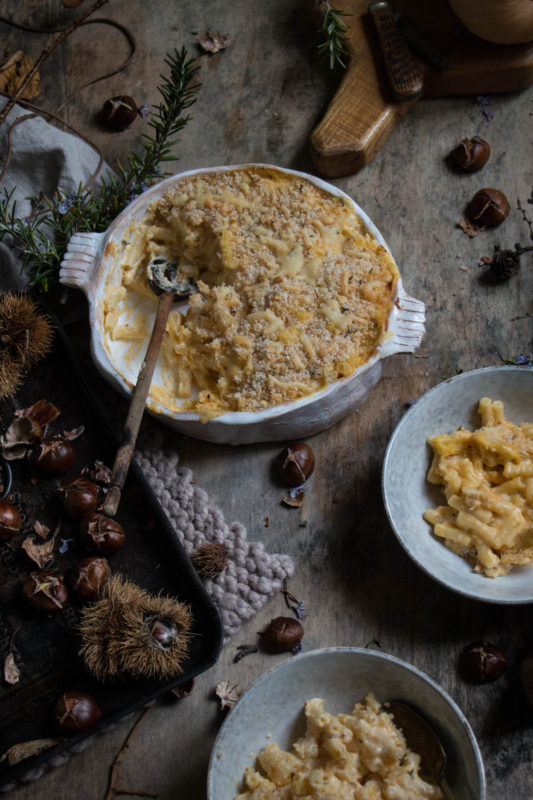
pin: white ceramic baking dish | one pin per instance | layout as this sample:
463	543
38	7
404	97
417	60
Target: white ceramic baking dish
90	264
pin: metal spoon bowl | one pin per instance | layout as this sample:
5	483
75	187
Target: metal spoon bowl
422	739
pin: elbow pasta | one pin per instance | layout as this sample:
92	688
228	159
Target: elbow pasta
487	479
293	291
357	756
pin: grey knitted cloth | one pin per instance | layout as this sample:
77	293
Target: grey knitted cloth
252	576
45	159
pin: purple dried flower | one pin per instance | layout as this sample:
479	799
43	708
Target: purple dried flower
301	610
520	359
143	110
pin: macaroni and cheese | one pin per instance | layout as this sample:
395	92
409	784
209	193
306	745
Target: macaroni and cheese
357	756
293	291
487	478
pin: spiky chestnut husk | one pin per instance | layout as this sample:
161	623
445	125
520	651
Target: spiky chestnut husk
25	337
210	559
129	632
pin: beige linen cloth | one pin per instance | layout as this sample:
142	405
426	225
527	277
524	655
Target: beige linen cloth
45	159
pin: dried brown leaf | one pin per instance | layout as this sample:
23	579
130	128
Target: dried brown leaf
11	671
13	72
42	411
228	693
42	554
212	42
18	752
470	228
74	433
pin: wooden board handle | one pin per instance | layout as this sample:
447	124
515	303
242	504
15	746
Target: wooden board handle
137	406
405	76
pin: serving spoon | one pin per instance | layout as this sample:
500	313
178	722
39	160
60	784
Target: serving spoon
422	739
171	284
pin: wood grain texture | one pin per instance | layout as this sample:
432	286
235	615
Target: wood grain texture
259	100
365	109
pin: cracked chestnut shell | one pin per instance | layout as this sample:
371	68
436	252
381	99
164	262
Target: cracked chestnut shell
45	592
282	634
471	154
78	496
87	577
482	662
488	207
101	534
10	520
295	464
53	455
119	112
76	711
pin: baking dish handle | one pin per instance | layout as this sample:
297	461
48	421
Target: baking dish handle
81	260
407	325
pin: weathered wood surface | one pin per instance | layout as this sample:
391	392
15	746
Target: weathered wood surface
259	101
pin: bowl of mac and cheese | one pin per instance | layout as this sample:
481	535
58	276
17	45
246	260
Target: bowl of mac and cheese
296	301
317	726
465	511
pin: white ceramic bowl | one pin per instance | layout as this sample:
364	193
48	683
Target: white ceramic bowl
407	494
272	710
90	264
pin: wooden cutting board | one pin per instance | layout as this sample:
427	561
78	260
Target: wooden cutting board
363	114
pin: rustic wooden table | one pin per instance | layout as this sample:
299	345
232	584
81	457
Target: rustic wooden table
260	99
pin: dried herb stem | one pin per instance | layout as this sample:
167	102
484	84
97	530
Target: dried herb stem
119	758
334	32
44	55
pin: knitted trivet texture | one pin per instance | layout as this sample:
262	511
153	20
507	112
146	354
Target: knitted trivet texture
252	575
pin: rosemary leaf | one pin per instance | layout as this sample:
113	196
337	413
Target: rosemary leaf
42	238
333	31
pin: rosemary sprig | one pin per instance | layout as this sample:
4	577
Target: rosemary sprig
42	238
333	31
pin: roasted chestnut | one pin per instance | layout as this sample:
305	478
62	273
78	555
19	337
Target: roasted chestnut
295	464
101	534
76	711
10	521
45	592
87	577
482	662
282	634
119	112
79	496
488	207
471	154
53	455
163	632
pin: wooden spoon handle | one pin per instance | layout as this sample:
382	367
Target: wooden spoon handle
137	406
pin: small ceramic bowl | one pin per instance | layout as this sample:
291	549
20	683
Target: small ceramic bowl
407	494
90	264
272	711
